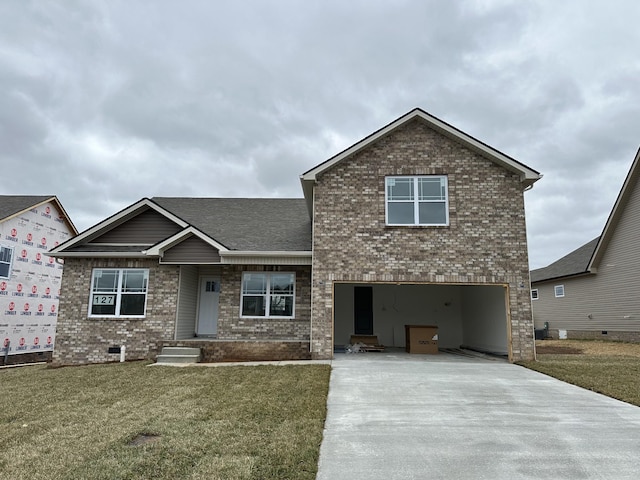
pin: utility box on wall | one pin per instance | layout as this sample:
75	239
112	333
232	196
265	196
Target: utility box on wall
421	339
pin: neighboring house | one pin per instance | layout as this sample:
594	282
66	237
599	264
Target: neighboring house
593	292
418	223
29	279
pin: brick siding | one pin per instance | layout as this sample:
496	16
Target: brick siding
80	339
256	350
485	242
233	327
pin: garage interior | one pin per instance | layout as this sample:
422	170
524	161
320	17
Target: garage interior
467	316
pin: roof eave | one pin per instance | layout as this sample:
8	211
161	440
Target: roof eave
97	254
440	126
562	277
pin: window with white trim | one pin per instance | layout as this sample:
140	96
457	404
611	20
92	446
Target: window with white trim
118	292
6	256
534	294
559	291
268	294
422	200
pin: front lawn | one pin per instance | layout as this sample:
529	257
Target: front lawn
610	368
131	421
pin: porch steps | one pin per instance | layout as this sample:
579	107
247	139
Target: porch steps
179	355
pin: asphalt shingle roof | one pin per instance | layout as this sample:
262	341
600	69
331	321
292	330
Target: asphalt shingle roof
574	263
12	204
252	224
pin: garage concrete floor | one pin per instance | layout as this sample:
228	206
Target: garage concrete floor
400	416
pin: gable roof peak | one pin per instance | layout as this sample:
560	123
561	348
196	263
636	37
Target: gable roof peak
528	175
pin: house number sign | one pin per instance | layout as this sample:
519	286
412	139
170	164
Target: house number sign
104	299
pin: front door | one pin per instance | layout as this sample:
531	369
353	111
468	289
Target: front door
363	310
208	306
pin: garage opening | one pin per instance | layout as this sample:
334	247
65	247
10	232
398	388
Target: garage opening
467	316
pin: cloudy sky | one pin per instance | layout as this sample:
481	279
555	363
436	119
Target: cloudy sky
105	102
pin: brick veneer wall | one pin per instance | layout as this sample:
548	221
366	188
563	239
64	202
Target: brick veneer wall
232	327
80	339
485	242
239	350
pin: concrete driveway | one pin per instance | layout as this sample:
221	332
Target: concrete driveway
401	416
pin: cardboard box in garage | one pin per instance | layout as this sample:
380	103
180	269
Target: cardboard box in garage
421	339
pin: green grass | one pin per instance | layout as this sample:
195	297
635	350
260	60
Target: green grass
604	367
260	422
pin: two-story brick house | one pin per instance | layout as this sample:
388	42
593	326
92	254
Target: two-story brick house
418	223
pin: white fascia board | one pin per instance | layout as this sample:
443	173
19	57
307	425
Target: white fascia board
97	254
272	253
236	257
158	248
116	219
528	176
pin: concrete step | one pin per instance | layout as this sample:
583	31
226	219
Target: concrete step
179	355
177	358
180	351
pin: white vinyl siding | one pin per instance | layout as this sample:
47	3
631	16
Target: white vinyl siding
187	302
417	200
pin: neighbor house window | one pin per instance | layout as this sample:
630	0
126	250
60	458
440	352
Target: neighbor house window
119	292
559	290
417	200
6	254
534	294
268	294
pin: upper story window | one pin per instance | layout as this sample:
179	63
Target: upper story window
119	292
268	294
559	290
6	255
422	200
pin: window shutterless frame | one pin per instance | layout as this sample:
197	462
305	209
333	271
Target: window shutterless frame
417	200
559	291
267	295
119	292
6	257
534	294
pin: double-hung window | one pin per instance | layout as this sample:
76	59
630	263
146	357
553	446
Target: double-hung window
6	255
119	292
268	294
419	200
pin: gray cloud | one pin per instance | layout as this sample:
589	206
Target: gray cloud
102	103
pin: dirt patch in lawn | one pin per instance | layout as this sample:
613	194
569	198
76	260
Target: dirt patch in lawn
557	350
143	439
